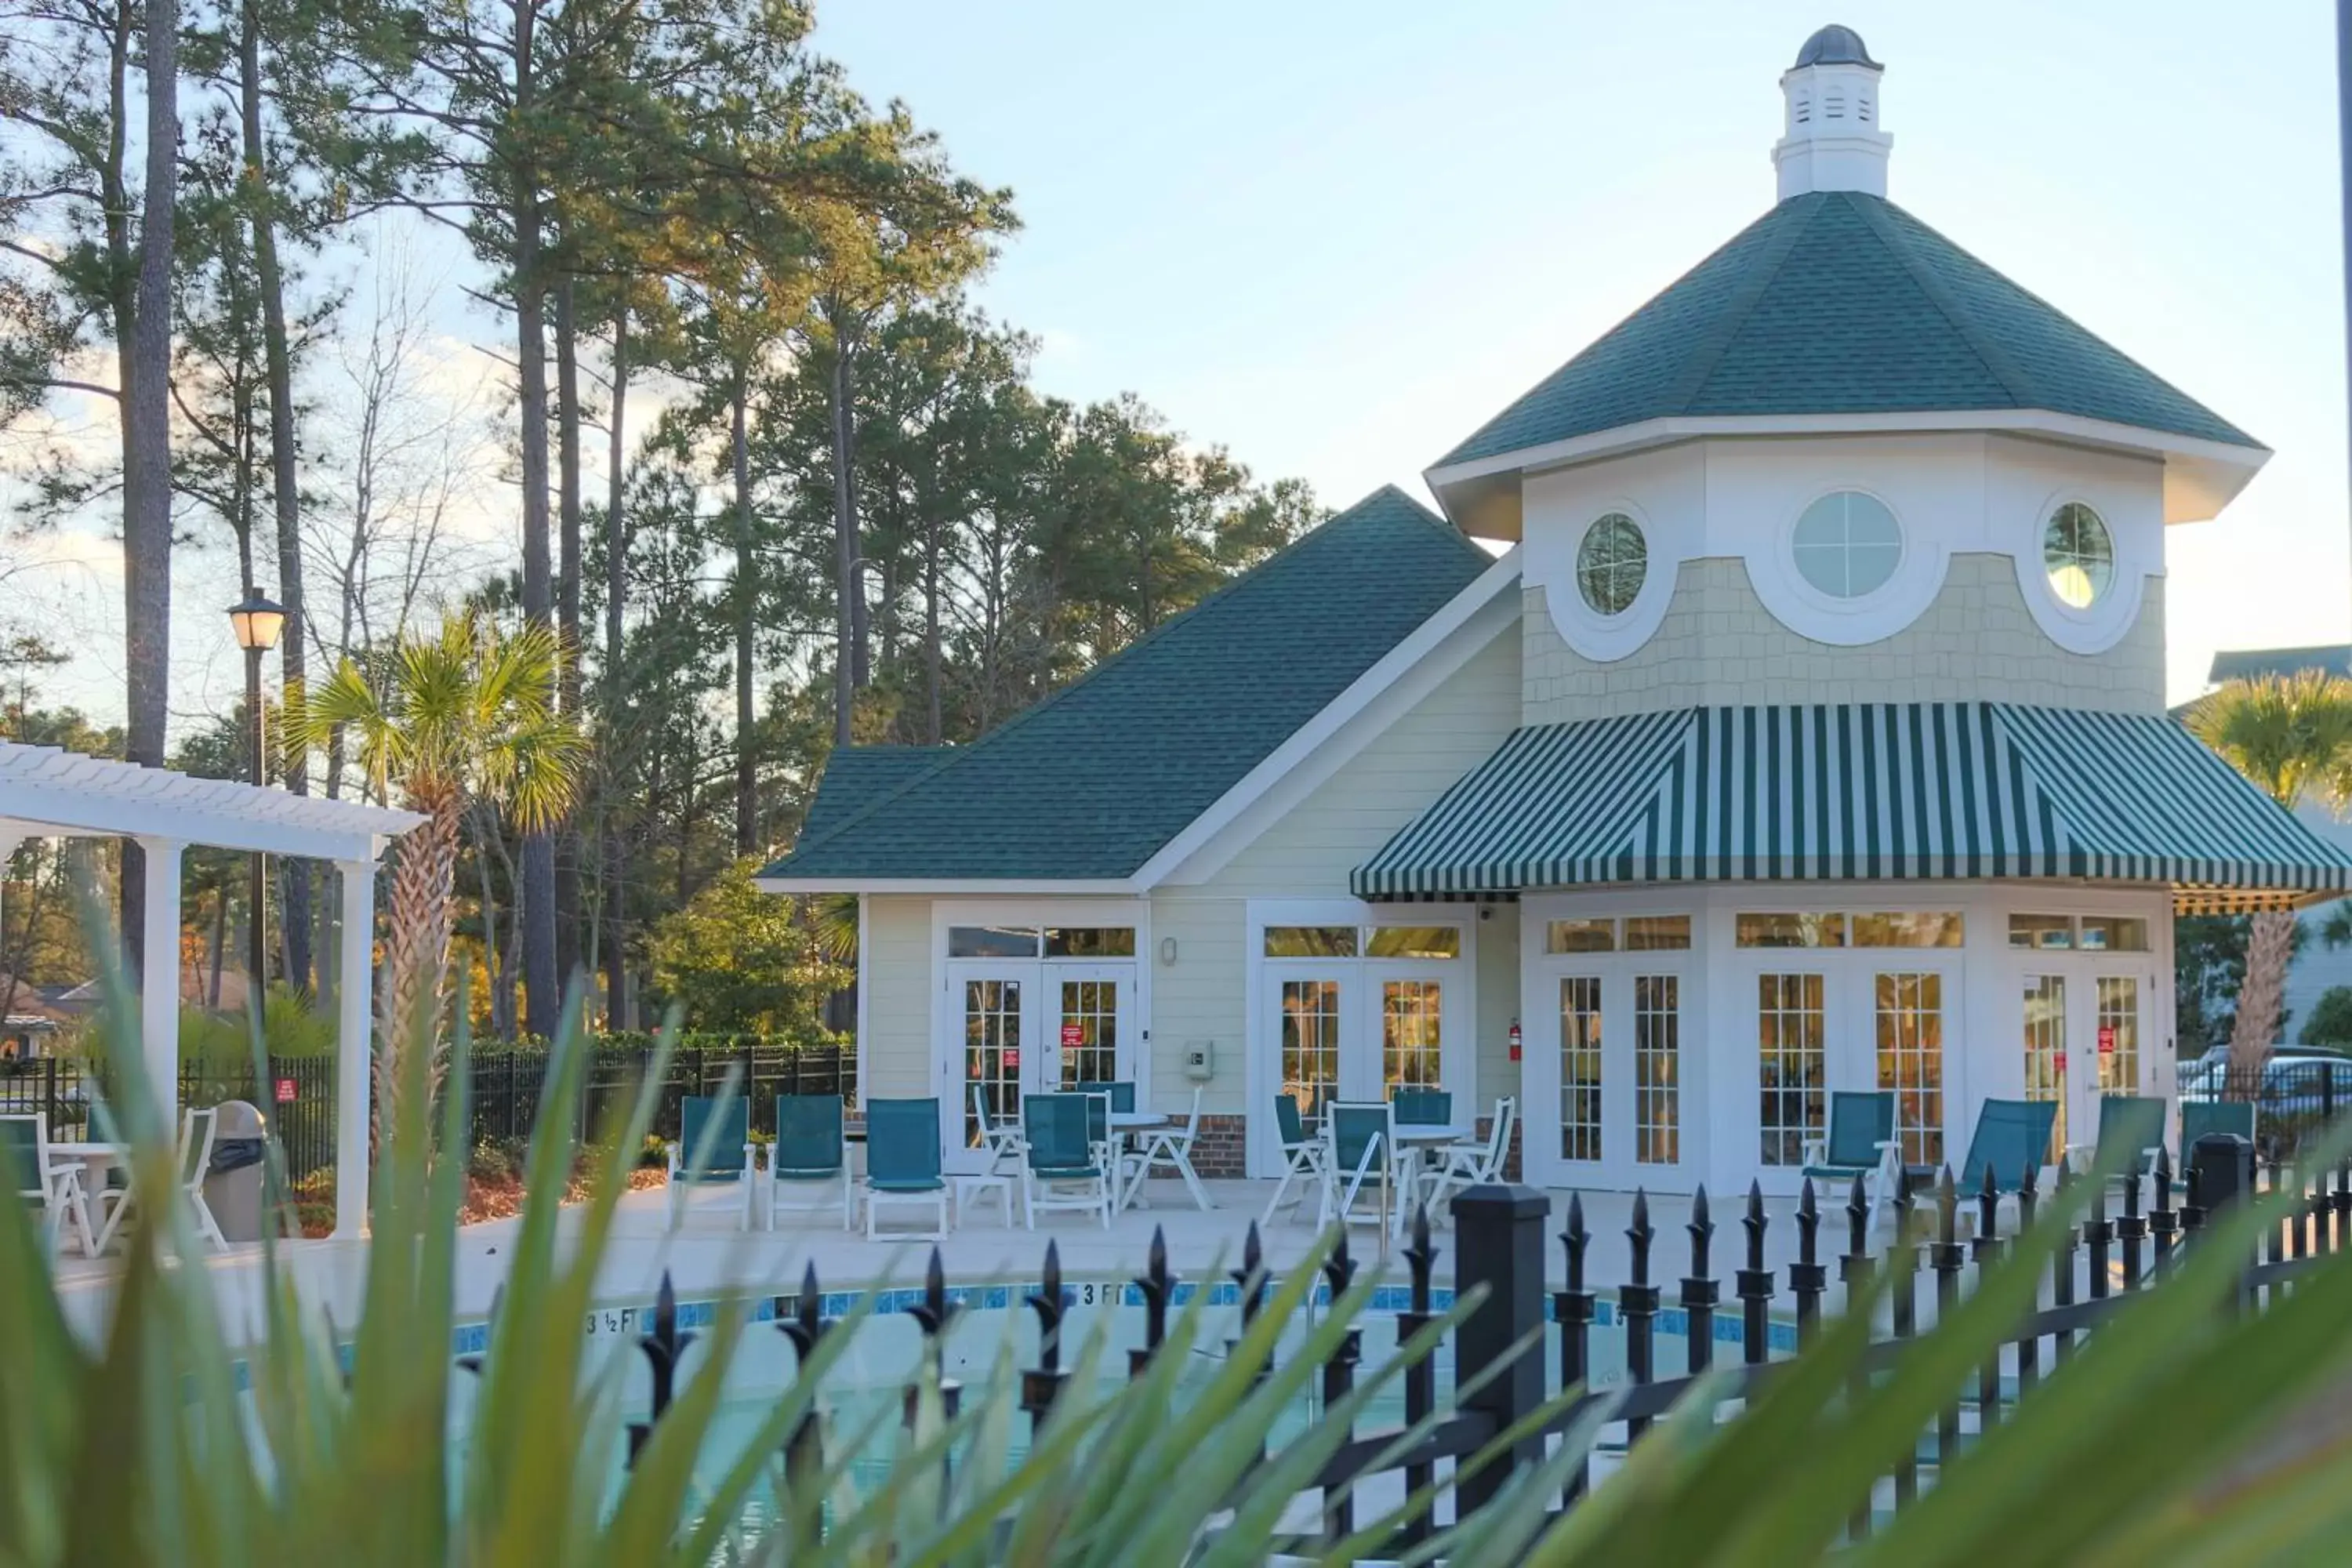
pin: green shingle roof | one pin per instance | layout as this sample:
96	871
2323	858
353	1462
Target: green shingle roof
1839	302
857	776
1094	779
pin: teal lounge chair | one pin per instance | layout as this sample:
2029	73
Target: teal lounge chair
1302	1156
2131	1130
1066	1167
2012	1137
902	1161
1861	1143
809	1156
2199	1117
1422	1107
1121	1092
55	1185
1361	1139
713	1154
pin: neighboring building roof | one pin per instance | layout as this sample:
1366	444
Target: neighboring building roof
1839	302
1836	46
2244	664
1088	784
856	776
1860	790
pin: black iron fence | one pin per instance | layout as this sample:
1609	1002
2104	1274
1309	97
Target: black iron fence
297	1097
507	1085
2292	1096
1500	1365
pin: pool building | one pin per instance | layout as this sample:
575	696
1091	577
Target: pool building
1775	706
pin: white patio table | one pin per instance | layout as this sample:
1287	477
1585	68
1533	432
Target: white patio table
1125	1125
1413	1140
1155	1137
95	1159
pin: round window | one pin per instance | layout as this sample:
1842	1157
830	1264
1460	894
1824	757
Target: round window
1847	544
2078	554
1612	564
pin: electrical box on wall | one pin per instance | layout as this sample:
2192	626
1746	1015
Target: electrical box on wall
1200	1060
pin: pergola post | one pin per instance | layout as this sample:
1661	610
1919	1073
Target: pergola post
354	1044
159	977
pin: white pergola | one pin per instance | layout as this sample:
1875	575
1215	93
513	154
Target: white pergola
46	793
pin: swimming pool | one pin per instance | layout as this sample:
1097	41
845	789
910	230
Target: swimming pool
867	1382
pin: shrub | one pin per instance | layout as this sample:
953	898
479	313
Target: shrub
2330	1023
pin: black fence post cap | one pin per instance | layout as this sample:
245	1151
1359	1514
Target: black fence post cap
1499	1200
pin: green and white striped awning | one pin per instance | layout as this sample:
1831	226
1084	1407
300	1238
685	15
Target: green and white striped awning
1859	792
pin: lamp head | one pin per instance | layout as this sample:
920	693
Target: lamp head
257	621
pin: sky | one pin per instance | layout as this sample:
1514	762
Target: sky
1336	238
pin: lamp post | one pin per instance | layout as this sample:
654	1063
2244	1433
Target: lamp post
257	621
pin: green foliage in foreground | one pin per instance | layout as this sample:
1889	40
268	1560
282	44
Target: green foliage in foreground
140	1450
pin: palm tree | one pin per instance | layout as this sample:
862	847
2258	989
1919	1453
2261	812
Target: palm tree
2291	735
466	715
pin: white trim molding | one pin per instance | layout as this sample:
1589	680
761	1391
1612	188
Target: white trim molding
1488	608
2200	477
2107	620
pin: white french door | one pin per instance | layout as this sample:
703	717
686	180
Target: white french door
1913	1005
1356	1031
1018	1028
2086	1037
1605	1082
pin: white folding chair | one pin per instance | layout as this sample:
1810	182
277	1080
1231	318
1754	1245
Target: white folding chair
55	1184
1171	1147
1002	1139
1367	1131
195	1159
1474	1162
1303	1158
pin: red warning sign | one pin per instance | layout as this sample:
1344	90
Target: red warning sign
1073	1036
2106	1039
285	1091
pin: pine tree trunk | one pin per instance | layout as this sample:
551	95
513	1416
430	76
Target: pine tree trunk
617	558
566	888
747	597
285	483
845	536
2269	949
934	656
147	440
536	896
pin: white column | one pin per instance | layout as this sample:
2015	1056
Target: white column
159	978
354	1046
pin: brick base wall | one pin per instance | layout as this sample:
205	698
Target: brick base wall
1510	1156
1220	1147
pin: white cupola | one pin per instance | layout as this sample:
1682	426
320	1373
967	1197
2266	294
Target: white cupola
1829	138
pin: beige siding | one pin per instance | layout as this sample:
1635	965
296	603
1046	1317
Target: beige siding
895	973
1198	997
1498	1005
1307	854
1719	645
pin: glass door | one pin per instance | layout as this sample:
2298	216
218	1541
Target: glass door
1792	1064
2046	1074
1411	1036
1651	1024
1092	1039
1912	1005
996	1019
1310	1014
2113	1061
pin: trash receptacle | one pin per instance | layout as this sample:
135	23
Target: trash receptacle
232	1180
